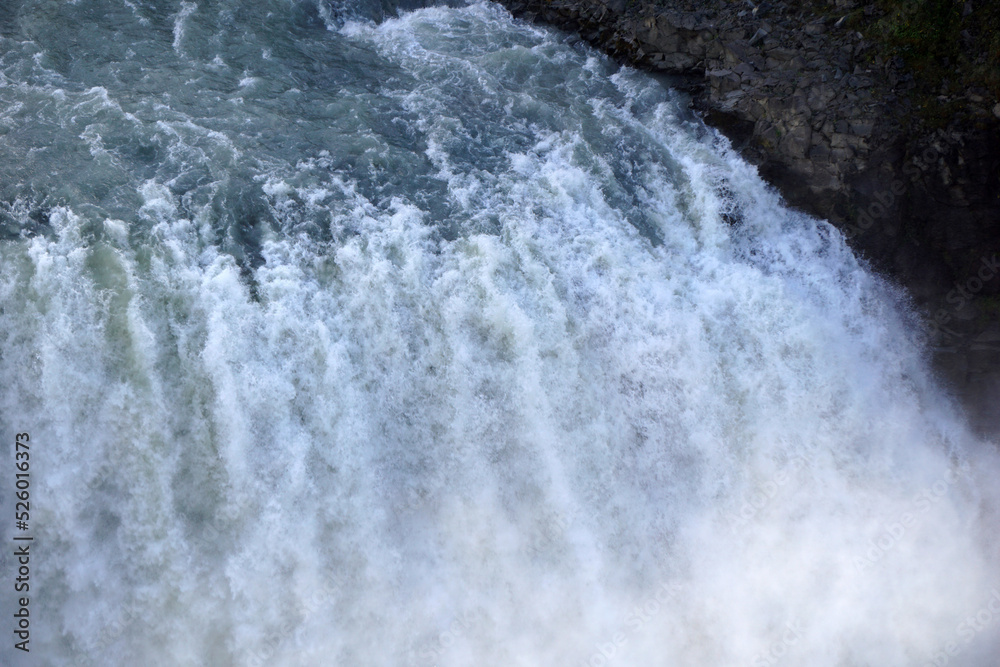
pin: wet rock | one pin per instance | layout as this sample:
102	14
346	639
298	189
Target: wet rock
758	36
815	29
862	128
829	126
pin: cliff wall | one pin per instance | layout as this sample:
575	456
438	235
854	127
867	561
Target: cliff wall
843	129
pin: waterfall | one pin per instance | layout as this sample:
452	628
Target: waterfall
432	338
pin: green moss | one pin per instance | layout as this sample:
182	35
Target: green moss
990	305
948	50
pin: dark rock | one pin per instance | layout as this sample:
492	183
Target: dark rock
758	36
862	128
833	130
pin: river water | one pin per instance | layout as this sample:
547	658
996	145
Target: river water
356	335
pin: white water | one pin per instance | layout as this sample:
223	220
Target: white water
503	387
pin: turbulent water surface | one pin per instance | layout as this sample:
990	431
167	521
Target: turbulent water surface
386	335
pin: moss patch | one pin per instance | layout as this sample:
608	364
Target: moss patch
951	46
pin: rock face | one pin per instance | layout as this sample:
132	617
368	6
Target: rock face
832	125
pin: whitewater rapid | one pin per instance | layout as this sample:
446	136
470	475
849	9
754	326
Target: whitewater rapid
442	340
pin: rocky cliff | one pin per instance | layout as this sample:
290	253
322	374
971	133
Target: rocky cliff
849	132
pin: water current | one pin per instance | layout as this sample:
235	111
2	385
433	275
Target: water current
399	335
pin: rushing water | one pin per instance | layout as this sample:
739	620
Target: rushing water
346	339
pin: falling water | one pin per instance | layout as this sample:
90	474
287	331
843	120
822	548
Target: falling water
421	337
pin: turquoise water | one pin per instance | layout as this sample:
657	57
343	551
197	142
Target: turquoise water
369	336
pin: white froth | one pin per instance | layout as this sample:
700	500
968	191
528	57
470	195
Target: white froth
597	425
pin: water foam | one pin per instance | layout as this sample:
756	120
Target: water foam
534	402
